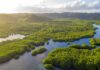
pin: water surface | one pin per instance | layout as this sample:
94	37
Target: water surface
29	62
12	37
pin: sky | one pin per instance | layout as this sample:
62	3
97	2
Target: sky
49	6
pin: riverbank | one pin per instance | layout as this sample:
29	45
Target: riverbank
20	46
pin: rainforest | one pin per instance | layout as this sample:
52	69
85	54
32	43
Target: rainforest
37	42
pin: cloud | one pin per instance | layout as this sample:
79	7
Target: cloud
43	6
94	4
9	6
34	10
63	6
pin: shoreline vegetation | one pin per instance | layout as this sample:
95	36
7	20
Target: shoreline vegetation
39	50
66	30
72	58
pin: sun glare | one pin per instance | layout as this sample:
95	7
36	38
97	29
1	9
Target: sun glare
7	7
10	6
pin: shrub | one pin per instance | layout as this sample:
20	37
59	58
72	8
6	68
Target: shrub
39	50
84	46
75	46
49	66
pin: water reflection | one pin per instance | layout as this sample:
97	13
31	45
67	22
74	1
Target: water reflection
12	37
29	62
52	45
25	62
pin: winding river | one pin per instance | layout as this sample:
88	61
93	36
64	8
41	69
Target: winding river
29	62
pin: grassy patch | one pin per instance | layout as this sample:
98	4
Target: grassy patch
39	50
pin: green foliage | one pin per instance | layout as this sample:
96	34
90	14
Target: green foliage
75	46
63	31
58	30
14	48
38	32
79	59
20	23
84	46
95	41
49	66
39	50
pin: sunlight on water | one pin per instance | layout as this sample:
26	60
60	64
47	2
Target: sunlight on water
12	37
29	62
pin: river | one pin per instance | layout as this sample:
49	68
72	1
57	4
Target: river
29	62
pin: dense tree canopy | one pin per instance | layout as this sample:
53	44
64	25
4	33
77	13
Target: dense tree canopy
79	59
40	32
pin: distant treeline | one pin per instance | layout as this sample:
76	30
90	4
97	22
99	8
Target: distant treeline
89	16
